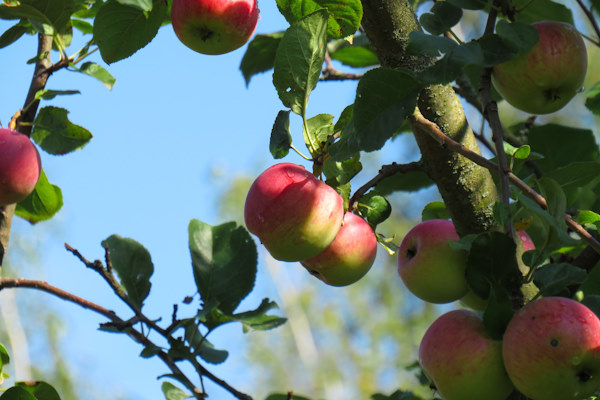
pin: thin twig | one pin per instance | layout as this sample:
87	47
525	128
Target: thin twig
434	131
591	17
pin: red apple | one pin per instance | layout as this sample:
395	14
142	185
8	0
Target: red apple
461	359
546	78
294	214
214	26
551	350
349	257
20	166
526	241
428	266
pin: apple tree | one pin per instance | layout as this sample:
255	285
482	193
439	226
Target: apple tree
513	237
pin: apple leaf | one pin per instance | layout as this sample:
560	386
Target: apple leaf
593	303
144	5
201	346
285	396
281	139
99	72
258	319
12	34
17	393
4	358
45	201
344	15
589	219
374	208
133	264
542	10
498	311
299	60
405	182
549	140
51	13
260	55
172	392
356	56
441	18
224	261
435	210
384	98
121	30
470	4
55	134
41	390
491	261
434	46
592	102
517	36
554	279
341	172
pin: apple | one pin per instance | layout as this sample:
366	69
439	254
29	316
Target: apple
551	350
462	360
546	78
526	241
428	266
294	214
214	26
20	166
349	257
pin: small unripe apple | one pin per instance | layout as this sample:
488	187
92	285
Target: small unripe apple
20	166
551	350
428	266
294	214
462	360
349	257
546	78
214	26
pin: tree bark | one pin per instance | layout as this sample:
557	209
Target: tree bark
467	189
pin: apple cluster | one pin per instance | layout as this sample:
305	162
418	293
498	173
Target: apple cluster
546	78
550	349
20	166
298	217
214	26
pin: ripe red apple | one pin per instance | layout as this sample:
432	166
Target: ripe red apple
428	266
461	359
214	26
546	78
294	214
551	350
349	257
20	166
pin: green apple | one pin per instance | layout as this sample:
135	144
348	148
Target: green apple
20	166
462	360
428	266
349	257
551	350
546	78
294	214
214	26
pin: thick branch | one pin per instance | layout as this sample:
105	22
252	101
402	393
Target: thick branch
467	189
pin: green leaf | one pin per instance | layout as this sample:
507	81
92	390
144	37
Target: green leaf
278	396
435	210
172	392
384	98
554	279
17	393
555	198
587	218
592	102
259	319
591	285
260	55
356	56
374	208
12	34
442	17
48	94
150	351
517	36
470	4
120	30
53	131
41	390
339	173
299	60
83	26
45	201
133	264
4	357
208	353
542	10
593	303
317	131
562	145
491	262
434	46
99	72
344	15
405	182
281	139
498	311
224	261
143	5
53	13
